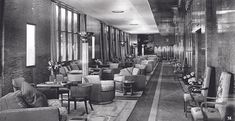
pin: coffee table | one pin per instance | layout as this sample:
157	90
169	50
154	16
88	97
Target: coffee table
128	87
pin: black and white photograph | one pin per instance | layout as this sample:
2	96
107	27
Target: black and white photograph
117	60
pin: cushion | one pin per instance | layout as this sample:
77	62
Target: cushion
69	68
16	83
74	67
135	71
94	79
212	114
118	77
12	100
32	96
126	71
113	65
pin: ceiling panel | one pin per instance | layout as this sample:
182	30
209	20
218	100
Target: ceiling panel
136	18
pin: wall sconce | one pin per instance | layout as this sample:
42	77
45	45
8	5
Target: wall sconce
122	43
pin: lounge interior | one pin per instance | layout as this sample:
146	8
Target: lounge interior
117	60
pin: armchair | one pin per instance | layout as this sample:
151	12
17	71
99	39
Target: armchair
131	74
217	113
198	97
102	91
142	68
149	65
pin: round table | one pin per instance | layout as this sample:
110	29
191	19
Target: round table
128	87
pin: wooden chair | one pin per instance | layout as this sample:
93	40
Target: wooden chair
193	96
81	92
218	111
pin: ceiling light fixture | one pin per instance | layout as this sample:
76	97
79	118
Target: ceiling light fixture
118	11
134	24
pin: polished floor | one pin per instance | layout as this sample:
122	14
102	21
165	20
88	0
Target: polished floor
163	98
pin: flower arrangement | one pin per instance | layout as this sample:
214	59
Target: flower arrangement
53	67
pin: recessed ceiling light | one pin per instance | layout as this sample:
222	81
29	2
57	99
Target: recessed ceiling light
118	11
134	24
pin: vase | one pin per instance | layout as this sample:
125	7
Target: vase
51	78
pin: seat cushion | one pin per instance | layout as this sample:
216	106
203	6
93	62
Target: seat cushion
211	113
107	85
32	96
118	77
197	96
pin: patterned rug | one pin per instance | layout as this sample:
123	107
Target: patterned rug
128	96
118	110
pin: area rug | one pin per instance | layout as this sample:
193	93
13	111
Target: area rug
118	110
128	96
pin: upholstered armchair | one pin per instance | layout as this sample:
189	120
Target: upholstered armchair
142	68
192	96
108	73
220	104
149	65
102	91
131	74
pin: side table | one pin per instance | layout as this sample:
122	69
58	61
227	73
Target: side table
128	86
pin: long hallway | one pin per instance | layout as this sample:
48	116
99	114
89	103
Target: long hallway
162	99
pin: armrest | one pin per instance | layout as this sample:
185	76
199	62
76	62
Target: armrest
211	98
211	103
30	114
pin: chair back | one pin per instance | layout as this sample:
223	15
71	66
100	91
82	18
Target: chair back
94	79
81	91
206	81
114	65
223	92
17	83
74	77
74	67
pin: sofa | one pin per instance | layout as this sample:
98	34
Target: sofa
131	74
28	104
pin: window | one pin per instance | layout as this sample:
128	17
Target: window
67	28
30	44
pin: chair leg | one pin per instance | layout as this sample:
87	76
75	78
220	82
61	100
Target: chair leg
186	108
86	106
68	106
91	105
61	96
75	104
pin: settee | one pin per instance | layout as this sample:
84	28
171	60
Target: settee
26	103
